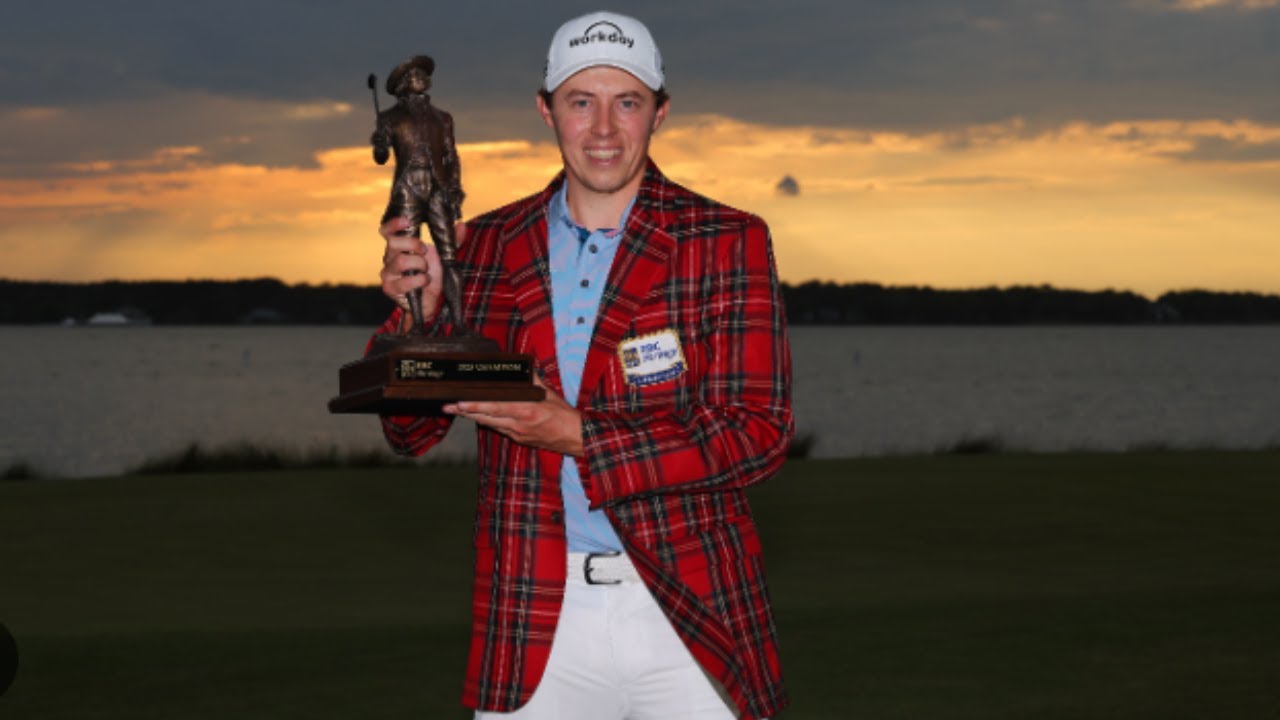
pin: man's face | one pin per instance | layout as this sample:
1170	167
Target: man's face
603	118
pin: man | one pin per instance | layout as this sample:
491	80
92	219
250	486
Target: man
618	570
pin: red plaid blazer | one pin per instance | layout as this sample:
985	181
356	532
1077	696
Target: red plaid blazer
669	462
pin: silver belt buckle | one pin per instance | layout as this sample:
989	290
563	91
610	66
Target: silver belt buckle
586	568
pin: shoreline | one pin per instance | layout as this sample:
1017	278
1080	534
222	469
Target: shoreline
248	458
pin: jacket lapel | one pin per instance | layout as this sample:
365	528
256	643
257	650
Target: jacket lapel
643	258
528	268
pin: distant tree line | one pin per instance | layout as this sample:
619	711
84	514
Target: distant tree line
211	302
194	302
825	303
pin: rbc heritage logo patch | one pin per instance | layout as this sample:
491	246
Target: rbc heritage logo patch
651	359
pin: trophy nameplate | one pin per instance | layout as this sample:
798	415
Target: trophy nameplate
417	375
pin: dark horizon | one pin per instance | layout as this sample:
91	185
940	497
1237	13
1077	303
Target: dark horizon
271	301
935	287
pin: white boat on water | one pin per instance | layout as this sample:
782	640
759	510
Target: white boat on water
118	318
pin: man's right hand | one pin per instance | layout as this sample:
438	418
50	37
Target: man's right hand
408	263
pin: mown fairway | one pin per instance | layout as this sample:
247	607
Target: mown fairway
992	586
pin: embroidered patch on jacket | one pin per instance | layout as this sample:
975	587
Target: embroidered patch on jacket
651	359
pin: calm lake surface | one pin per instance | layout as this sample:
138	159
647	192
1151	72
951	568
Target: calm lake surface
95	401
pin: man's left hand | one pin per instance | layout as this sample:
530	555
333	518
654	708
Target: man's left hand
551	424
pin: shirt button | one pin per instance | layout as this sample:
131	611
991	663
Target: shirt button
592	247
582	321
585	283
557	517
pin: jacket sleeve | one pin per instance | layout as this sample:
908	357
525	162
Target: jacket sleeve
737	430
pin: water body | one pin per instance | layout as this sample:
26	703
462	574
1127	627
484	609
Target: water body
95	401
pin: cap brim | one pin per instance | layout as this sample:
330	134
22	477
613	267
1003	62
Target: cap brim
552	83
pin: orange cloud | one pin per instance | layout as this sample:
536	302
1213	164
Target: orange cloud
35	114
1242	4
1149	204
168	214
1202	5
1117	205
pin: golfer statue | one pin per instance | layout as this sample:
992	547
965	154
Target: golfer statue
428	178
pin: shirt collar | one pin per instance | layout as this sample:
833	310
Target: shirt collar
558	212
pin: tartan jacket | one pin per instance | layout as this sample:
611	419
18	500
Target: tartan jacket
668	461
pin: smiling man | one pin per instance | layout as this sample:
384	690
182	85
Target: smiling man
618	570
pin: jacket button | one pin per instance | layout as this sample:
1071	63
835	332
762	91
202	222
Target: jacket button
557	517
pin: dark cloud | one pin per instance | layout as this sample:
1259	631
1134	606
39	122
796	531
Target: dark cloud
280	50
1219	149
926	64
226	129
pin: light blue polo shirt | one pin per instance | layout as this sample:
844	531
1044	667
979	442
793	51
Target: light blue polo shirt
580	262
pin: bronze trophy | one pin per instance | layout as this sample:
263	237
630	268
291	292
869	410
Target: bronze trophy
417	373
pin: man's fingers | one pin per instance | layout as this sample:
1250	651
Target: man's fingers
404	255
504	424
408	264
398	285
408	283
403	246
495	409
513	419
399	278
395	227
550	424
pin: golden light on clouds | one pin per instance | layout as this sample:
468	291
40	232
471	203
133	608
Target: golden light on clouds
1201	5
1082	206
317	111
1242	4
170	215
35	114
1150	205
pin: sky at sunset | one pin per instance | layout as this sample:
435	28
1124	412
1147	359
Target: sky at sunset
1088	144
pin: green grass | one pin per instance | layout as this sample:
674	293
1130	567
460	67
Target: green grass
964	586
246	457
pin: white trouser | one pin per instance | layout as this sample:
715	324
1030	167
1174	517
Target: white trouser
615	656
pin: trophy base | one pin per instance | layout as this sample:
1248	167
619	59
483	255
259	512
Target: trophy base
419	375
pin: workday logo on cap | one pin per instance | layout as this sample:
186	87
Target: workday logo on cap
603	38
603	31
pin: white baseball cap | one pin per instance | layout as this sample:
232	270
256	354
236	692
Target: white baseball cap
603	38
